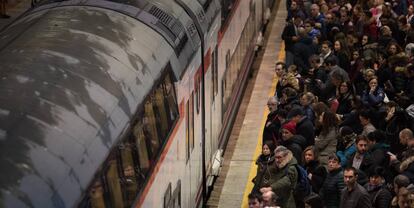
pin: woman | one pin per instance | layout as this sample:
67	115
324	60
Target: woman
345	94
341	51
316	172
373	96
325	143
263	162
306	100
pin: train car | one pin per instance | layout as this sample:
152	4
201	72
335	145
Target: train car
103	102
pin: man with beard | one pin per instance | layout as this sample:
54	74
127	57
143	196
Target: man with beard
284	178
361	160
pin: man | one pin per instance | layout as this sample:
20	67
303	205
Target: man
302	50
326	51
304	126
336	75
377	189
269	199
365	119
378	148
334	183
290	36
280	71
255	201
406	137
272	126
284	177
361	160
354	195
295	143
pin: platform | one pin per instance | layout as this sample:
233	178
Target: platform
244	146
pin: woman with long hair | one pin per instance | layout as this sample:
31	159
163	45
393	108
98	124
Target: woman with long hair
264	164
344	94
342	52
325	143
316	171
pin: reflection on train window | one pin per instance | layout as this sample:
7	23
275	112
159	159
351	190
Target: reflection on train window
227	6
114	184
142	147
190	126
129	179
150	129
129	165
96	195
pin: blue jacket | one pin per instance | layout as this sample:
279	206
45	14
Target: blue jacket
343	155
374	99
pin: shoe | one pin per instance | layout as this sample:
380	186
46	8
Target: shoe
5	16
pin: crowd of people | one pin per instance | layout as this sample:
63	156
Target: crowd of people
340	128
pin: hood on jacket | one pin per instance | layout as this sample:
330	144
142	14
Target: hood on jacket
406	163
288	160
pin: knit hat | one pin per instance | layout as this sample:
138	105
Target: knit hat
290	126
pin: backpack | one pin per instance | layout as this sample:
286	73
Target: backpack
302	188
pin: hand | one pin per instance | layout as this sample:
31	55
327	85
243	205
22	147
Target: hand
295	38
310	176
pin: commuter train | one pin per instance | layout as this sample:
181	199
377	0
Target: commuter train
102	102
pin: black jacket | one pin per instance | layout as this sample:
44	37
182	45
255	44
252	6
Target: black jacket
271	132
318	174
344	105
287	34
302	50
366	166
357	198
379	195
332	187
305	128
296	145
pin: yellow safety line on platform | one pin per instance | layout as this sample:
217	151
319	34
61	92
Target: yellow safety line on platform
253	168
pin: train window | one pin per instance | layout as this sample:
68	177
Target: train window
190	125
129	176
150	129
214	75
160	113
176	196
114	184
167	197
197	91
96	195
169	95
142	147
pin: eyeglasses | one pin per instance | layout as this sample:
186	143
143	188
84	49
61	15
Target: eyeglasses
278	69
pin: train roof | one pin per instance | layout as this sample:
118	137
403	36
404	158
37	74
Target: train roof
71	79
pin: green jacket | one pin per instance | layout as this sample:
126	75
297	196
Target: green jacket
283	184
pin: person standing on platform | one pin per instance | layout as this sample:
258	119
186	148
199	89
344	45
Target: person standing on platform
331	189
354	195
290	35
273	124
304	125
295	143
284	178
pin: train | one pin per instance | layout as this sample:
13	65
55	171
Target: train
121	103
